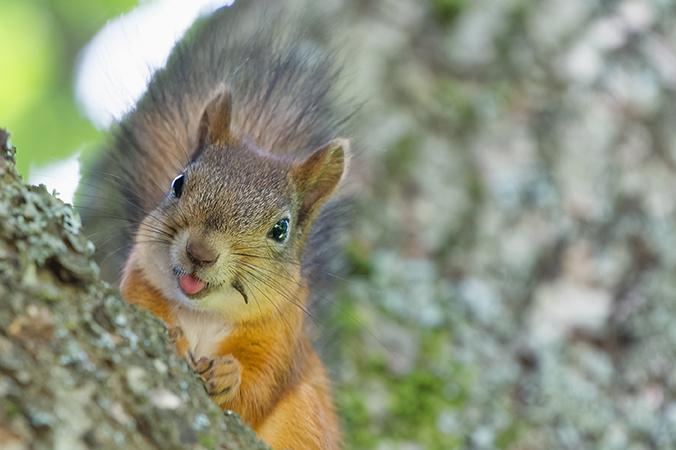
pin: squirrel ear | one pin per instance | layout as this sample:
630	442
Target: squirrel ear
319	175
215	123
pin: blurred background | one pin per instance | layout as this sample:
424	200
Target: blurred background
512	267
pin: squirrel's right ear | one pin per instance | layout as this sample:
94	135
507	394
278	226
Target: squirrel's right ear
319	175
215	123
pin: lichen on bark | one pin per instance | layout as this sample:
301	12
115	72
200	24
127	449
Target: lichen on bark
79	367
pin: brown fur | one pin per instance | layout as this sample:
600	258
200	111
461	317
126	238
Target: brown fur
266	370
285	393
244	113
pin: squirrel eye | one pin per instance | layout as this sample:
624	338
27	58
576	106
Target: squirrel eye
280	231
177	185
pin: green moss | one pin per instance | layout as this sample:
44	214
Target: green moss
508	436
207	441
413	402
457	101
415	397
10	410
400	160
359	258
345	318
356	419
447	11
417	401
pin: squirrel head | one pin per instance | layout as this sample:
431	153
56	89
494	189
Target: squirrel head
229	234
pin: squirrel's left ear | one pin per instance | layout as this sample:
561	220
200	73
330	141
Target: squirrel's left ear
319	175
215	123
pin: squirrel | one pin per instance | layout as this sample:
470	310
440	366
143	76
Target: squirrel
229	167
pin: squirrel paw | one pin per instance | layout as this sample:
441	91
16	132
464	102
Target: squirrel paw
177	338
221	376
175	333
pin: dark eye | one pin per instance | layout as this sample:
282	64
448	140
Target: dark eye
177	185
280	231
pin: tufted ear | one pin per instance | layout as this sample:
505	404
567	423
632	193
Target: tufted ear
318	177
215	123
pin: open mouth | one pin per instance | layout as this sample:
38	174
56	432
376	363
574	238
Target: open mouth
195	288
190	285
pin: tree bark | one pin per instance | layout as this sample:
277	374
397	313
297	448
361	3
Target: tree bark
79	367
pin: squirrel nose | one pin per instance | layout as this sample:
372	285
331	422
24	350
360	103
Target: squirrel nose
200	253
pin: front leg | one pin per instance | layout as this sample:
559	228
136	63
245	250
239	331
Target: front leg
251	368
222	376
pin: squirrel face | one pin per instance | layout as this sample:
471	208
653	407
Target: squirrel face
229	234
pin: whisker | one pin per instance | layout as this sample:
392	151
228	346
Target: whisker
273	284
265	296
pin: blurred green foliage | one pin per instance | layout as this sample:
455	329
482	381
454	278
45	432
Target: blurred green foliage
39	46
447	11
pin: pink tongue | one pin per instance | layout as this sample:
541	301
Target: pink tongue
190	285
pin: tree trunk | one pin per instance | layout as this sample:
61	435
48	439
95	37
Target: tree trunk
80	368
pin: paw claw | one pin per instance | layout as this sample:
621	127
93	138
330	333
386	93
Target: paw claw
203	365
221	376
175	333
191	361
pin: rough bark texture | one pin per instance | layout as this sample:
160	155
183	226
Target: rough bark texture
514	252
80	368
